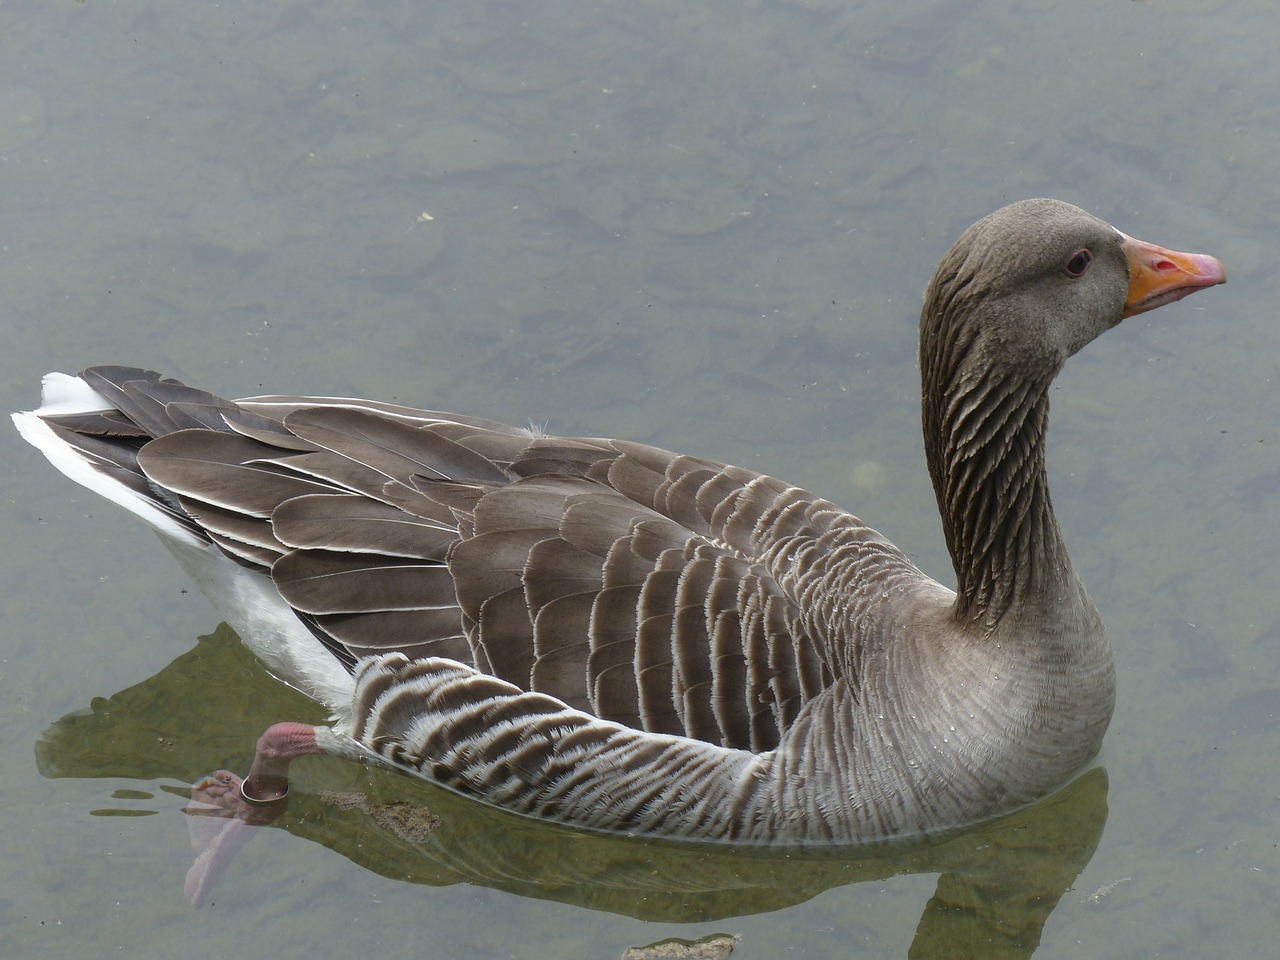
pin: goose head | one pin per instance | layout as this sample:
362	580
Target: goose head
1031	284
1021	291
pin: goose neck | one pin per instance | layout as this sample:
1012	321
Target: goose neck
985	443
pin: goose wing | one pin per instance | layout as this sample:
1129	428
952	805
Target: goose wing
641	586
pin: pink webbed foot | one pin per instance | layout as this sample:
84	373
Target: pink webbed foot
224	808
223	795
221	822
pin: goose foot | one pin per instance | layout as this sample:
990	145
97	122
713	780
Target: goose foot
220	824
224	808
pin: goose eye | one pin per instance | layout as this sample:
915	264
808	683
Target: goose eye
1079	262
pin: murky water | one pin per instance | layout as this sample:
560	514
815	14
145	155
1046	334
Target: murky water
705	226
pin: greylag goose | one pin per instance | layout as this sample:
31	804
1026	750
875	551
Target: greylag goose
619	637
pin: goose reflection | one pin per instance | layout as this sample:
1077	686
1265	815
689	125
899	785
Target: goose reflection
996	887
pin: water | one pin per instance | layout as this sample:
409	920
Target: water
703	226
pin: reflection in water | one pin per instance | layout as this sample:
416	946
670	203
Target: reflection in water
998	883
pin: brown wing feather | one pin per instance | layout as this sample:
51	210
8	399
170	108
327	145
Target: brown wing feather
620	578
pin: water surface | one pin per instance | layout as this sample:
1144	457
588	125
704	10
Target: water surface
704	226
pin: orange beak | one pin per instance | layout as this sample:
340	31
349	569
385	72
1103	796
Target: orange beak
1158	276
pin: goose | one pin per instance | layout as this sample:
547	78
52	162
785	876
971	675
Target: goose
622	638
